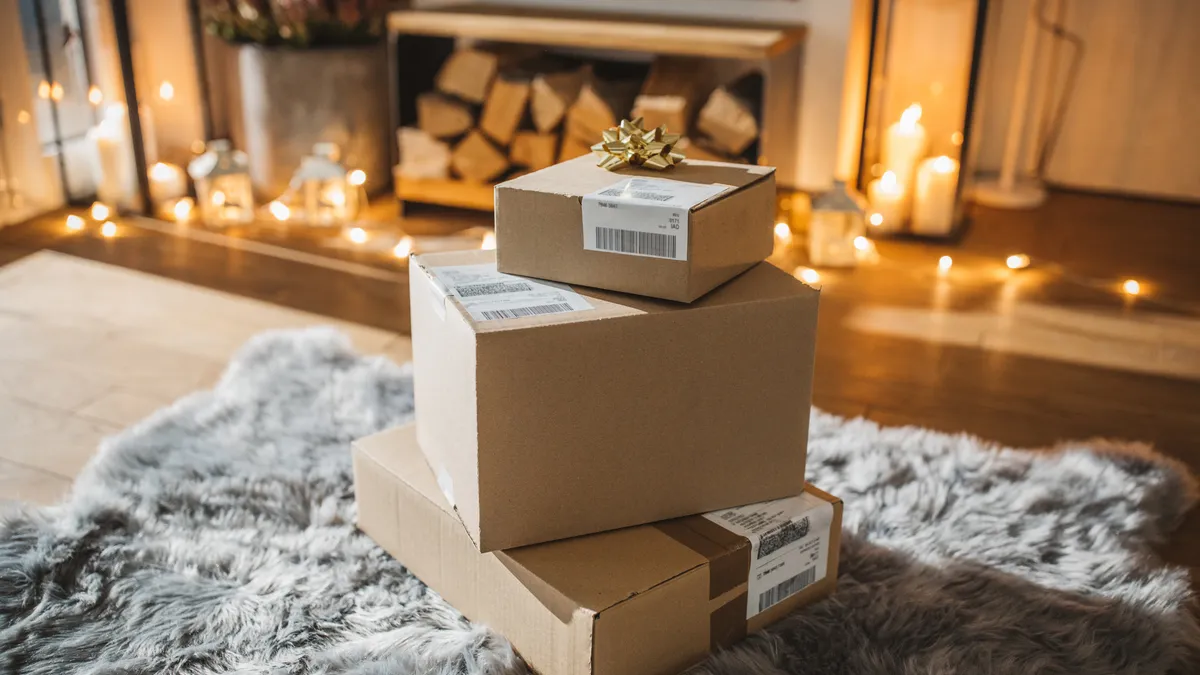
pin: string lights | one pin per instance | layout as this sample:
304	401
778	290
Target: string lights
100	211
944	264
1017	261
489	242
357	235
108	230
403	248
74	223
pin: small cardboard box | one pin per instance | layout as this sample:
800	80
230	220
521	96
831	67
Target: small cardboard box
550	412
673	234
646	600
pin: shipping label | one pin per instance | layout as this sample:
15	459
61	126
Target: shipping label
643	216
489	295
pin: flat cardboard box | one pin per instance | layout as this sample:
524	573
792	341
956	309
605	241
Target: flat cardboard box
647	600
632	411
540	229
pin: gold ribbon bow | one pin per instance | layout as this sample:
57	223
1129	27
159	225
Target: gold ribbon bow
630	144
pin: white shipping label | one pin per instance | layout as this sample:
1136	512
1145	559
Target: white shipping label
643	216
488	295
789	546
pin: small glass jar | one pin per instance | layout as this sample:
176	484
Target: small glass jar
224	194
325	192
838	218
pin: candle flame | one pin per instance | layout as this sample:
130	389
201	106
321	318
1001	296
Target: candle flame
1017	261
95	96
279	210
945	263
161	171
218	198
911	115
358	235
1131	287
337	198
357	177
183	210
108	230
889	181
876	219
403	248
489	242
74	223
166	91
944	164
100	211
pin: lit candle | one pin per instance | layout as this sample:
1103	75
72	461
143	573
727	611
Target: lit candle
933	201
167	183
888	202
904	144
115	173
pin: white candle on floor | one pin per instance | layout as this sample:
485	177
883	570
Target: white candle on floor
115	175
904	144
933	203
889	203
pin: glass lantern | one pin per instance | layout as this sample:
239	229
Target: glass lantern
224	194
323	187
916	130
838	218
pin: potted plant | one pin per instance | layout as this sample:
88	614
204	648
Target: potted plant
301	72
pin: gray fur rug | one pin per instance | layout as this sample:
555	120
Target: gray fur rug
217	536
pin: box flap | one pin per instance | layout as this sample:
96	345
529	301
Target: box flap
581	176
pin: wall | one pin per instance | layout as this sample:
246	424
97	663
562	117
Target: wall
1131	125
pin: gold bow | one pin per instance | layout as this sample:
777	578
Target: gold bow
629	144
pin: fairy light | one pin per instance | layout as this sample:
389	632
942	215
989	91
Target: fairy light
95	96
403	248
876	219
43	90
218	198
166	91
863	244
74	223
1131	287
57	92
357	177
183	210
357	235
198	147
108	230
23	117
808	275
783	233
279	210
945	263
1017	261
489	242
100	211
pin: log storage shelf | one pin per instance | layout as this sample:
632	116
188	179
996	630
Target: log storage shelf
483	93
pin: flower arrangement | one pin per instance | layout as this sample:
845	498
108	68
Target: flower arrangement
295	23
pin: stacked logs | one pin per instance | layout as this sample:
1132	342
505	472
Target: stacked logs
493	114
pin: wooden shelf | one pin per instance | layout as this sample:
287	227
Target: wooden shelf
656	35
447	192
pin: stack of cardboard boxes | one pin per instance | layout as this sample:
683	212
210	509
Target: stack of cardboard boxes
611	474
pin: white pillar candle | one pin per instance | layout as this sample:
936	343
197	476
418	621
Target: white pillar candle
933	201
889	203
167	183
904	144
114	175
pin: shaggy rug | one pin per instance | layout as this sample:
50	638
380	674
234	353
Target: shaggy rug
218	536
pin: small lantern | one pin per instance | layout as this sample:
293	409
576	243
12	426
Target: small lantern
224	194
324	188
837	219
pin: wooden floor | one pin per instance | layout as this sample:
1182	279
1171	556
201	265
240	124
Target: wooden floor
1013	392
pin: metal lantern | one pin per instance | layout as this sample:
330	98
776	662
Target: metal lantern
324	189
837	220
224	193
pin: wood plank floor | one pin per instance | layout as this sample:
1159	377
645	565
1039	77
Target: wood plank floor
1016	393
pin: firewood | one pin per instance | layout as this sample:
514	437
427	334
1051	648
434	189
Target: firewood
573	147
441	116
533	150
476	159
601	105
671	92
504	108
468	74
422	155
730	117
550	96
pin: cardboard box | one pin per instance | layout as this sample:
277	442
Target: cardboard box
673	234
647	600
550	412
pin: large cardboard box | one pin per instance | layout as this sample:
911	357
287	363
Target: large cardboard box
550	412
673	234
647	600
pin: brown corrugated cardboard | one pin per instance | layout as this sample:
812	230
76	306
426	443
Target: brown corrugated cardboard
646	600
540	229
632	411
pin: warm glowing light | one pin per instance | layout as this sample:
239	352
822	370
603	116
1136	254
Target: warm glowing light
183	210
944	164
43	89
279	210
888	182
1017	261
863	244
95	96
100	211
109	229
337	197
23	117
74	223
956	138
218	198
808	275
357	177
357	235
489	242
56	92
161	172
198	147
911	115
166	91
782	232
876	219
945	263
403	248
1131	287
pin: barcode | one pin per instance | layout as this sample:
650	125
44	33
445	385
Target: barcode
781	536
641	243
789	587
652	196
492	289
517	313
